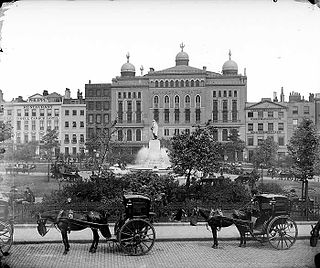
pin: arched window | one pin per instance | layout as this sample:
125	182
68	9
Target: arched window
166	102
198	100
166	99
120	135
224	135
176	83
161	83
166	83
187	99
197	83
138	135
181	83
129	135
156	84
192	83
187	83
155	101
176	99
171	83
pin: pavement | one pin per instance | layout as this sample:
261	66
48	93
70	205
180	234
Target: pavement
175	231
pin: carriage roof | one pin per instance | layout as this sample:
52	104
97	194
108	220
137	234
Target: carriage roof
136	196
268	197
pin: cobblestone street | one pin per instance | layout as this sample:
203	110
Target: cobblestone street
164	254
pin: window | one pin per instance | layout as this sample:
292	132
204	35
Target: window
192	83
306	109
198	115
26	112
41	125
74	124
250	114
171	83
234	112
33	125
33	137
270	126
98	105
74	112
66	112
106	118
197	83
187	100
74	150
33	112
156	84
295	122
41	112
198	100
280	114
124	95
98	118
26	138
215	134
26	125
161	83
19	112
139	95
214	94
224	135
260	126
66	138
18	125
181	83
81	124
129	95
49	125
260	114
56	124
260	140
280	126
138	135
120	135
219	93
156	114
224	93
18	138
176	115
156	101
295	110
270	114
66	150
120	111
250	127
235	94
215	111
90	105
166	132
187	115
81	112
9	112
49	112
56	112
166	100
166	83
176	132
166	115
187	131
66	124
176	83
176	101
230	93
225	111
281	141
129	135
106	105
250	141
90	118
187	83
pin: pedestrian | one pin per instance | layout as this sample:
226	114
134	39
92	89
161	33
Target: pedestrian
29	196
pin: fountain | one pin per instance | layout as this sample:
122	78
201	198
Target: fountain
152	157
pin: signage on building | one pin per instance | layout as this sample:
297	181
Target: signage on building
38	106
265	118
263	132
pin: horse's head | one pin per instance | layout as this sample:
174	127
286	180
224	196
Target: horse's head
41	225
215	212
177	216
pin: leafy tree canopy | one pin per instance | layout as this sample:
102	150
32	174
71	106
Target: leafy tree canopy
303	147
266	153
48	143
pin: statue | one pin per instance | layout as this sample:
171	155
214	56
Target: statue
154	128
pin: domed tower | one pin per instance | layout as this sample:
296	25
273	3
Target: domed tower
182	57
128	69
230	67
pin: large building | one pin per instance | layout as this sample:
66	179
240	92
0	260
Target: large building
178	98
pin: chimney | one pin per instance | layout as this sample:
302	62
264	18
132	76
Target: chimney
1	96
89	81
281	95
245	72
45	93
67	93
151	70
79	95
204	68
311	97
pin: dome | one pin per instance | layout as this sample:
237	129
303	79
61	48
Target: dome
182	57
230	66
128	68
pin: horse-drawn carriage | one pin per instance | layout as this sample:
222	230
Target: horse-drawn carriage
6	229
265	218
133	231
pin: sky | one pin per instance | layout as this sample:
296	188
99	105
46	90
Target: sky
53	45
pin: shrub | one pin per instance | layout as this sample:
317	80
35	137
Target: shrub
270	187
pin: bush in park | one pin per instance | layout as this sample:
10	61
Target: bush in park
270	188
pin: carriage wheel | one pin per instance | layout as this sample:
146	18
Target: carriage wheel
282	232
136	237
6	236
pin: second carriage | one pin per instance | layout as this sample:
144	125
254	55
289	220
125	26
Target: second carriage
271	221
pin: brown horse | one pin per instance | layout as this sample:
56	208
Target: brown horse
216	221
68	220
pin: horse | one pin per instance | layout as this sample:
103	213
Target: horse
216	221
68	220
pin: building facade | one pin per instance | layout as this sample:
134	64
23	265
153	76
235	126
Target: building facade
178	98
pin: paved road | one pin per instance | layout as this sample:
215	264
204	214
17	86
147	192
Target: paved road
164	254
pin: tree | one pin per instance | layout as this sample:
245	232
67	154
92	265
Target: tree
48	143
266	154
101	147
23	152
195	152
5	134
303	147
234	146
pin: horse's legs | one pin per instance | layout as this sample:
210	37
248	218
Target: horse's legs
215	237
65	240
95	241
